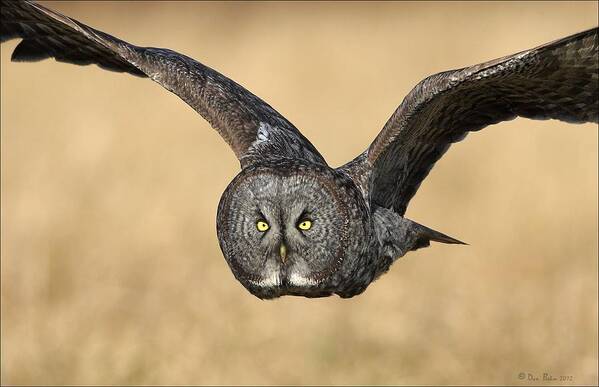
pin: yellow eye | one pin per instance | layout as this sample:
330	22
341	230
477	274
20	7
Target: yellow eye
262	226
305	225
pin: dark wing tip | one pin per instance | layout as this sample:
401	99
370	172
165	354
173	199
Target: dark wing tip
47	34
29	51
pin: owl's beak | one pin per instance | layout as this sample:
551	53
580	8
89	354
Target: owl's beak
283	252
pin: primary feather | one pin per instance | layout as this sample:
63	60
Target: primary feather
557	80
232	110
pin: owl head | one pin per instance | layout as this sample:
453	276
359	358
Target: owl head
289	228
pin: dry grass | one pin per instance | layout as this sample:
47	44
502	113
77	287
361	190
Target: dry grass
111	271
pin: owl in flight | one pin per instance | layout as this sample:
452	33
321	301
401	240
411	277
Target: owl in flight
288	223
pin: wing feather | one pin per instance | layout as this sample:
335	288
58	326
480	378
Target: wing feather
557	80
233	111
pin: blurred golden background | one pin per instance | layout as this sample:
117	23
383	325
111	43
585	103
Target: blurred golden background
111	270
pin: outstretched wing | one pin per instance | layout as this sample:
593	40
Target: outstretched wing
557	80
240	117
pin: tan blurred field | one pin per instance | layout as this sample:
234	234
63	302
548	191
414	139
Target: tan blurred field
111	270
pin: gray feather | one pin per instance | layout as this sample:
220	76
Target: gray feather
232	110
557	80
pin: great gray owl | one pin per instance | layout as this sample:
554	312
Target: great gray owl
289	224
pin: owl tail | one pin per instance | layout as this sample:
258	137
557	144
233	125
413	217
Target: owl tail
422	236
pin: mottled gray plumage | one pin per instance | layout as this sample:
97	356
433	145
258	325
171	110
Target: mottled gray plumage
288	224
557	80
